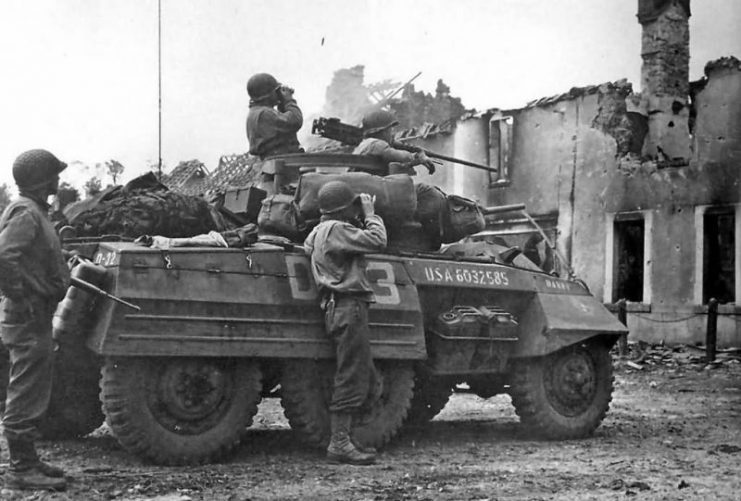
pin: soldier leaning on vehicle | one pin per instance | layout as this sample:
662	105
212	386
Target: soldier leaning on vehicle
378	132
33	279
337	246
273	120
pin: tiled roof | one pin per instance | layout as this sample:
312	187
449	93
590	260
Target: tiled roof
426	131
233	170
187	177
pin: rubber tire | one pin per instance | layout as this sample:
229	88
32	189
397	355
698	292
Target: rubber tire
534	402
307	390
130	400
430	397
74	409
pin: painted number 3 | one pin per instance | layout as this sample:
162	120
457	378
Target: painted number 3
386	290
380	274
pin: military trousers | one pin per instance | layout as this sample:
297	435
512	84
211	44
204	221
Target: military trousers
26	331
346	322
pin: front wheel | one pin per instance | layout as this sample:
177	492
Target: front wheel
179	411
566	394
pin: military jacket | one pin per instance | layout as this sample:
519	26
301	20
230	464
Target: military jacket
273	132
337	251
31	259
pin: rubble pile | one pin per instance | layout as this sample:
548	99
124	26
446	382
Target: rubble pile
644	356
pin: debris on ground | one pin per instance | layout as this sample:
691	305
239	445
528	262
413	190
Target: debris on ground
643	356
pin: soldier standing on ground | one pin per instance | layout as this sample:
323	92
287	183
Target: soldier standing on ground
378	132
273	120
337	248
33	278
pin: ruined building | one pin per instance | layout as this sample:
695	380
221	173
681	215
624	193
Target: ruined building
640	191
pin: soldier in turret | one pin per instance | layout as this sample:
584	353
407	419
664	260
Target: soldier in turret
33	278
378	132
273	120
337	247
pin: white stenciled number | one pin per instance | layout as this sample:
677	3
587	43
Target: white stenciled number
299	277
386	290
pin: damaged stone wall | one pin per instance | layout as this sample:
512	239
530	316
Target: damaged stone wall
613	118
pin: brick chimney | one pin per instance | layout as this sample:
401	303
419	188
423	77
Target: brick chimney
665	50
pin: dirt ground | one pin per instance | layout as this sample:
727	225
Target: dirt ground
673	432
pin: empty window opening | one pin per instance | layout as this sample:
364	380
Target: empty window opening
629	260
719	261
500	148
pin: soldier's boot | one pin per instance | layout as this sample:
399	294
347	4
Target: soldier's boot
362	448
26	471
341	448
367	449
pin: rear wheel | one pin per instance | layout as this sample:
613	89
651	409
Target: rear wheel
565	394
180	410
306	390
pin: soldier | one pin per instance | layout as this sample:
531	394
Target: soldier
336	247
272	131
378	131
33	278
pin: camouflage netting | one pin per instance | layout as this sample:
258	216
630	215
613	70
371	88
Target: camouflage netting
141	207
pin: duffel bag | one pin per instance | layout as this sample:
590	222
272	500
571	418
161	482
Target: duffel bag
412	237
432	208
396	200
279	215
464	218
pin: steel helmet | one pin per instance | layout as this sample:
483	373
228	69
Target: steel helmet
377	121
335	196
261	85
34	168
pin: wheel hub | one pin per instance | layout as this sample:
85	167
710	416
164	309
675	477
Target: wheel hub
572	382
191	395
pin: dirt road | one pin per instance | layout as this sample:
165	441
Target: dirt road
673	432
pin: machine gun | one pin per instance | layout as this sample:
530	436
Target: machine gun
333	128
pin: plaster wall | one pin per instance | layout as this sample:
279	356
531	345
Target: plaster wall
471	142
717	132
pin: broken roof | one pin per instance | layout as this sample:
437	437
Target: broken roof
621	86
181	178
729	62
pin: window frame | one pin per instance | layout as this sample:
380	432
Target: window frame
700	212
503	149
611	218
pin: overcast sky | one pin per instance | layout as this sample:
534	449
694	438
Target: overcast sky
79	77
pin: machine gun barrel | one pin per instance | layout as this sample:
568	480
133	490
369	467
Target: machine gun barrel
432	154
87	286
498	209
333	128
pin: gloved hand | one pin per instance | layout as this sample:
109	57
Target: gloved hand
423	159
